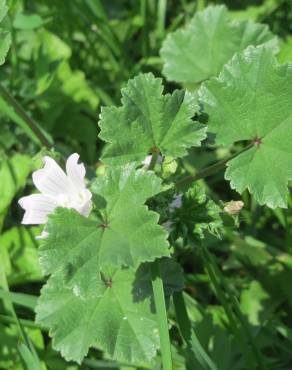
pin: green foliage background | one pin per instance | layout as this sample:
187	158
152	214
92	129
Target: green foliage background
66	60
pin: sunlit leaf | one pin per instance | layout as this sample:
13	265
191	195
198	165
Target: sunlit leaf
125	233
148	122
200	50
251	101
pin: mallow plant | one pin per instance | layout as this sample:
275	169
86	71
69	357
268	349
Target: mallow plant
108	247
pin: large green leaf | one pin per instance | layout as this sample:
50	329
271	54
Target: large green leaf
149	121
126	233
251	100
118	316
199	51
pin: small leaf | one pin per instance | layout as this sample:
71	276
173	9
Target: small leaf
128	234
251	100
13	174
5	37
199	51
21	245
150	122
27	21
124	327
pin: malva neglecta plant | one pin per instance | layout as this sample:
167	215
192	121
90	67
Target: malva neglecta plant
109	243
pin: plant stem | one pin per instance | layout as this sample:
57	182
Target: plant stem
28	120
161	11
6	319
210	170
159	299
153	161
162	321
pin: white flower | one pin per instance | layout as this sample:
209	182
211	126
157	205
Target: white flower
57	189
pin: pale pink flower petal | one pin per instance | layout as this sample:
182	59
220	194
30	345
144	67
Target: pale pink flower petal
37	207
75	171
58	189
84	205
51	179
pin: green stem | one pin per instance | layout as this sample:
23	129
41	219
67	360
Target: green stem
29	121
10	307
153	161
5	319
143	13
159	299
208	171
158	291
161	12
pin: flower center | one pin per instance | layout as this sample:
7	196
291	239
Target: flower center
69	200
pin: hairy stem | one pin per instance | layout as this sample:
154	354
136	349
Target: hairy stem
159	299
208	171
161	10
28	120
158	291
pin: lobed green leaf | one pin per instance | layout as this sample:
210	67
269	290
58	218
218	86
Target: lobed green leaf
199	51
150	122
251	101
118	317
127	235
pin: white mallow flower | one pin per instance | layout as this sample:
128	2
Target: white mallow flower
57	189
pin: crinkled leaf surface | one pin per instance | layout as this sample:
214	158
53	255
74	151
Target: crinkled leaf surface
200	50
149	121
5	38
118	317
130	235
195	218
111	319
251	100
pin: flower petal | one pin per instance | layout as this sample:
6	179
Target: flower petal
75	171
51	180
85	206
37	207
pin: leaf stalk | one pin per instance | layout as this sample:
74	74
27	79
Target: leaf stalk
210	170
159	299
22	114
